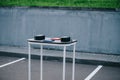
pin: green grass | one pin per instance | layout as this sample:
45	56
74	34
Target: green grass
63	3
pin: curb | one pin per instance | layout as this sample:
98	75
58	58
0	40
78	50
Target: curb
69	60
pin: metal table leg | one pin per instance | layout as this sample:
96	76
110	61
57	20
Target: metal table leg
73	67
41	62
64	61
29	61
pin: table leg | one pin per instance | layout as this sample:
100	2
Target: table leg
41	62
73	68
64	59
29	62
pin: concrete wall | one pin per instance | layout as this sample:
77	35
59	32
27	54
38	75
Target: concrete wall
96	31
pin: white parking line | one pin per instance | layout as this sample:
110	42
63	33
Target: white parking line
11	62
93	73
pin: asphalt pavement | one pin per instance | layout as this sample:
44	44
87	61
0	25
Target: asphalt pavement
52	70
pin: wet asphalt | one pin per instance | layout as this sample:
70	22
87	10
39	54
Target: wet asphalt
52	70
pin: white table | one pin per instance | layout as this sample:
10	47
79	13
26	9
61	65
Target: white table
42	43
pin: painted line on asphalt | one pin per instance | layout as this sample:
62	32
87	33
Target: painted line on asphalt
12	62
93	73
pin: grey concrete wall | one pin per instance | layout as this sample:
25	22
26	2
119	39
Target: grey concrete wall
96	31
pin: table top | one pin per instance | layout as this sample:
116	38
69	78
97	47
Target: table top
49	41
